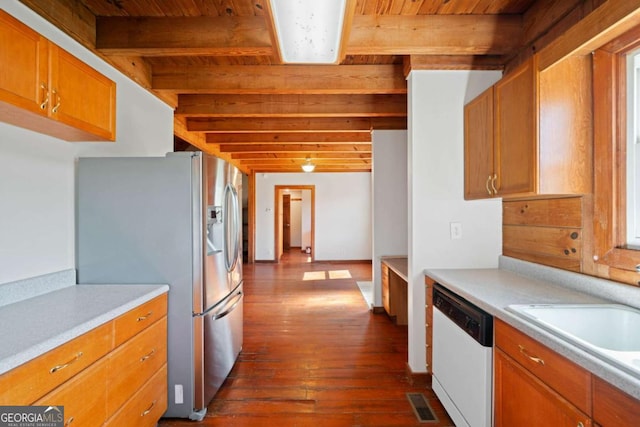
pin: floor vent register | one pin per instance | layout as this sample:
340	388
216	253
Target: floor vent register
421	407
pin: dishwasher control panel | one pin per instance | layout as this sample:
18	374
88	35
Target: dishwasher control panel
476	322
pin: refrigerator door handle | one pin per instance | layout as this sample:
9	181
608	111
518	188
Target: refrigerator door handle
231	222
233	304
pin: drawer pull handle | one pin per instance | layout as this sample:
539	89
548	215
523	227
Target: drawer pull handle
146	356
149	409
532	358
69	421
580	424
145	317
64	365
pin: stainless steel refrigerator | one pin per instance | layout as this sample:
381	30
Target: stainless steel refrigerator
175	220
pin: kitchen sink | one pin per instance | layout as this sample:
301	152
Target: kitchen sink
608	331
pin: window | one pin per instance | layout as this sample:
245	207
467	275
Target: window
633	150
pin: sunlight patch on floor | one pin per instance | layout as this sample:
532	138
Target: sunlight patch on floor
339	274
314	275
322	275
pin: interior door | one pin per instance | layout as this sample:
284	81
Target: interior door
286	222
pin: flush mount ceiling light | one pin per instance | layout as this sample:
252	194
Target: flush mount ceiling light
308	166
309	31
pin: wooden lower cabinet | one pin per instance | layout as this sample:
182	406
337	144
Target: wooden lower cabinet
522	399
428	315
613	407
115	373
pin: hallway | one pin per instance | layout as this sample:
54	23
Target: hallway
314	355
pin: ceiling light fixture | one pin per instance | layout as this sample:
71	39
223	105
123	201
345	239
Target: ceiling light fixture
309	31
308	166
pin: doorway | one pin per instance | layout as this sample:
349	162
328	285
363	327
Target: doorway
294	219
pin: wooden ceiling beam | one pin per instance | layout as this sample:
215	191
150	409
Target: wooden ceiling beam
289	137
435	35
303	148
282	79
184	36
294	155
453	62
321	124
299	162
220	105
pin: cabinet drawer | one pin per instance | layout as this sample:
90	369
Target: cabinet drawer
521	399
146	407
32	380
613	407
134	362
83	397
132	322
559	373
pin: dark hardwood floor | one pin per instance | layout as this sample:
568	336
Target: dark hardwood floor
315	355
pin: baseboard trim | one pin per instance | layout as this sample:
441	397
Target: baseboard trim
418	379
377	310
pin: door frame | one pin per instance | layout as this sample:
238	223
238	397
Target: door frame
276	226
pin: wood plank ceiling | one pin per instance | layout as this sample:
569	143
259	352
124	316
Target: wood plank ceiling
217	63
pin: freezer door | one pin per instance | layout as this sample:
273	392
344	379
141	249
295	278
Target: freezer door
222	342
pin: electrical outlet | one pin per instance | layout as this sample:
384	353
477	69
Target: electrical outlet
456	230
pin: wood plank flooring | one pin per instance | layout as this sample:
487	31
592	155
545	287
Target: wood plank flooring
315	355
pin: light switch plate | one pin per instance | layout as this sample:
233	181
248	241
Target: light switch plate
456	230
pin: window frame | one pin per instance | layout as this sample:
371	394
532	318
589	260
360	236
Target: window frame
612	259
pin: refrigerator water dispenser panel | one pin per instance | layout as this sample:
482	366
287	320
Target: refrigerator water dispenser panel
215	230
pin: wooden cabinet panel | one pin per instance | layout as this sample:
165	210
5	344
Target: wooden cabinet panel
135	362
612	407
478	146
385	289
562	375
146	407
134	321
81	97
516	136
566	127
429	321
556	212
23	56
521	399
26	383
83	397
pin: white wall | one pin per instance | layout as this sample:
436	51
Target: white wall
436	188
37	172
389	200
306	219
342	214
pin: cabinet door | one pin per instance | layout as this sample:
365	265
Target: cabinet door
523	400
516	132
613	407
478	146
81	98
23	60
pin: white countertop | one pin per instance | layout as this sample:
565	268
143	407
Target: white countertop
33	326
494	289
399	264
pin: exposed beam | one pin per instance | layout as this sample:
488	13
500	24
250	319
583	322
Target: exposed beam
297	155
435	34
611	19
290	137
172	36
304	148
299	162
282	79
453	62
319	169
71	16
320	124
367	105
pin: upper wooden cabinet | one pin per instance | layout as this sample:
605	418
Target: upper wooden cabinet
500	137
45	89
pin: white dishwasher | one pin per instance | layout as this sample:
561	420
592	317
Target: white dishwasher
462	359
